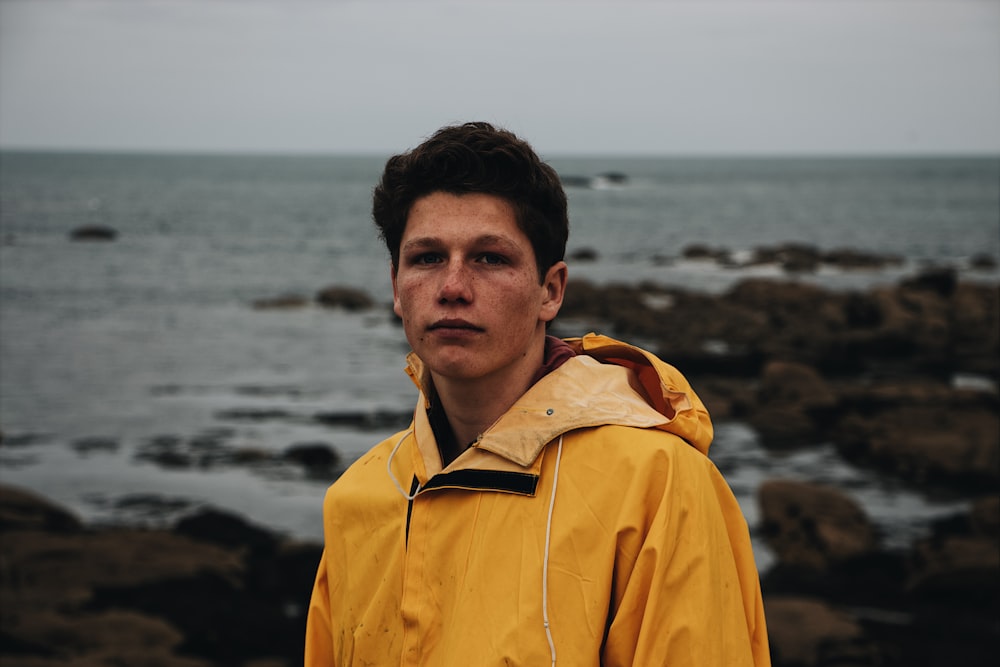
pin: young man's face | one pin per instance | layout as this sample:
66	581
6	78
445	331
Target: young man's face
467	288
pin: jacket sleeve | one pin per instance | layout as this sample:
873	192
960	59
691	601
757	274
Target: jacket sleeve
687	591
319	637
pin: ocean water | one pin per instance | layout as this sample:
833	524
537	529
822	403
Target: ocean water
111	352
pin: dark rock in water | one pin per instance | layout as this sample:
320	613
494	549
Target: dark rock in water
583	255
21	509
364	420
313	455
793	257
224	593
809	632
616	177
702	251
227	530
925	433
813	525
283	302
848	258
95	444
935	604
794	404
93	233
941	281
983	262
22	439
344	297
254	414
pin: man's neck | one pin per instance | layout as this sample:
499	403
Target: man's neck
472	406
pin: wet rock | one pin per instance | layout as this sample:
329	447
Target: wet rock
583	255
283	302
227	530
983	262
960	561
849	258
21	509
924	433
93	233
793	257
813	525
700	251
368	421
794	404
315	456
939	280
216	591
95	444
254	414
807	632
348	298
614	177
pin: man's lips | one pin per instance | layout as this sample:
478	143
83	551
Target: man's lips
453	325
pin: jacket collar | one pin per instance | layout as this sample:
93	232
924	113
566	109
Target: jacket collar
607	383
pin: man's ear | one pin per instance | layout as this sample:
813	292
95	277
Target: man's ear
554	286
395	293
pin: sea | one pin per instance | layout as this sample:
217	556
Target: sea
139	382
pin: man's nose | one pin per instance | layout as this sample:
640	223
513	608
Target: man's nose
456	284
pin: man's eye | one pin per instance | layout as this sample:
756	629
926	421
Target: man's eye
491	258
427	258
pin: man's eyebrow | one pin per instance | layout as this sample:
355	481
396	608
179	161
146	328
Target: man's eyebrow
423	242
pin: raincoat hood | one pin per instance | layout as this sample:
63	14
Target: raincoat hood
608	382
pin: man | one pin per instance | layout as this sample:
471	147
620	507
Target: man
551	500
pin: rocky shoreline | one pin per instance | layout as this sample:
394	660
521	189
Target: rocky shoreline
901	379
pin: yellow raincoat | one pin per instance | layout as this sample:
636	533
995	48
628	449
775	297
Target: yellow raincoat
586	527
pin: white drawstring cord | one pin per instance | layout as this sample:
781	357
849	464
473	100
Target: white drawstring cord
388	468
545	559
548	532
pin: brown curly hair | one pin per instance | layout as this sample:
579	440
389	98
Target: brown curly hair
476	158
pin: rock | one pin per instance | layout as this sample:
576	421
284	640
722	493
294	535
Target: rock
583	255
805	632
93	233
217	591
940	280
794	404
368	421
95	444
616	177
283	302
983	262
701	251
812	525
21	509
848	258
793	257
959	562
943	436
254	414
314	456
344	297
227	530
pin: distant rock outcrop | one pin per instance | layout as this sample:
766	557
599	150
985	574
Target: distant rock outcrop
347	298
94	233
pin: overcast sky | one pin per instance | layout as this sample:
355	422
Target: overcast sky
670	78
